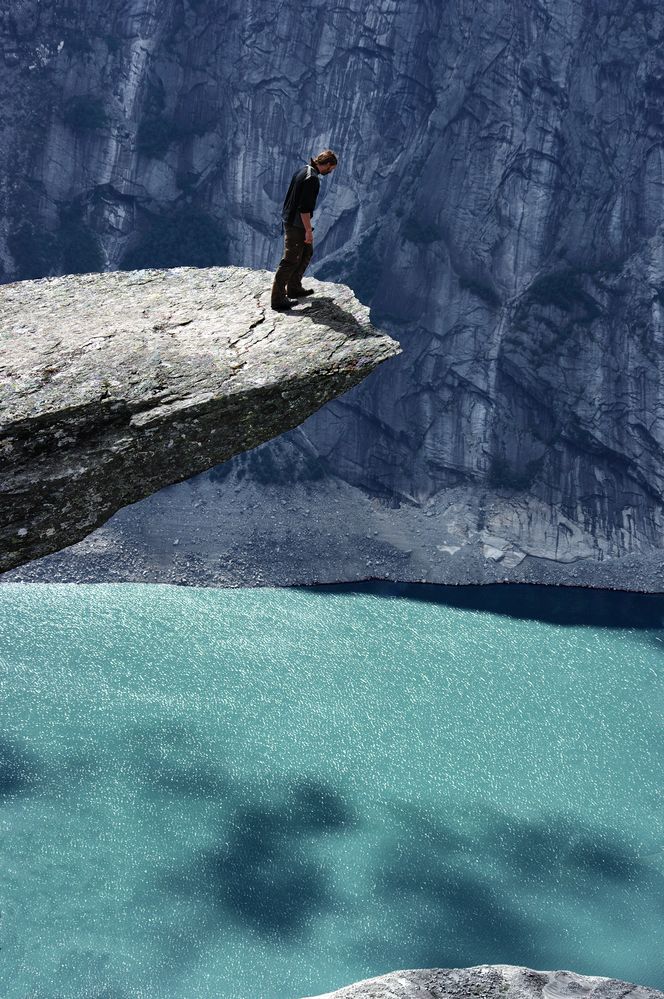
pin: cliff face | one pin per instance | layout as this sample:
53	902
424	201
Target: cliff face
499	203
115	385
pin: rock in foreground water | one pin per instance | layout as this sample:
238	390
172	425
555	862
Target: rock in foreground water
498	981
115	385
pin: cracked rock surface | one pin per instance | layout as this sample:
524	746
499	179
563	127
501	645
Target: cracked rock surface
114	385
499	981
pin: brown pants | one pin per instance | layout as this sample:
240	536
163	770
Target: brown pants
293	264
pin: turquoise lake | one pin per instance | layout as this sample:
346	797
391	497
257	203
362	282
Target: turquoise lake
267	794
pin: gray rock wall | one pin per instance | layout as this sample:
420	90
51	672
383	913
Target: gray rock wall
499	202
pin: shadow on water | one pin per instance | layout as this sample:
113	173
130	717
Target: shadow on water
264	874
507	891
18	770
433	885
264	877
549	604
510	893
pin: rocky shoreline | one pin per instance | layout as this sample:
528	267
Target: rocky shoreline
201	533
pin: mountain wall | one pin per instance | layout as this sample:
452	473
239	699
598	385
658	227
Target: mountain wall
499	203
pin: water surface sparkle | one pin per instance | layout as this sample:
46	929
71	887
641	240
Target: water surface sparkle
271	793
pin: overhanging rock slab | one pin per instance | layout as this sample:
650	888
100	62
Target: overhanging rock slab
115	385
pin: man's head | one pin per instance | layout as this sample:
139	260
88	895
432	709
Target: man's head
325	161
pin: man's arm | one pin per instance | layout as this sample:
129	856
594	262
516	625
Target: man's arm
307	203
308	228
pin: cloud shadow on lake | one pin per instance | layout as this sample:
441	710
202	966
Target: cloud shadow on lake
263	874
19	771
510	891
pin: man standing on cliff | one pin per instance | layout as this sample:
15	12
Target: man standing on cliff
296	213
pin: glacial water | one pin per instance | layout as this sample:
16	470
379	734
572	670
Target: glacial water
272	793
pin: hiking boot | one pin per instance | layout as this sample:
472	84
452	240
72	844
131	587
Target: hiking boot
283	305
299	292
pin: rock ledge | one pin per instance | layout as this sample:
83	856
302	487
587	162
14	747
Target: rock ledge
491	981
115	385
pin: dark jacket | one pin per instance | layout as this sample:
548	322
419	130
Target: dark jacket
301	195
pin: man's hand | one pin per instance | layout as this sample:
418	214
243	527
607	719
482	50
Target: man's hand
309	235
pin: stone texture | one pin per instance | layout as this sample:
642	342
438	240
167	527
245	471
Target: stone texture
498	203
115	385
498	981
